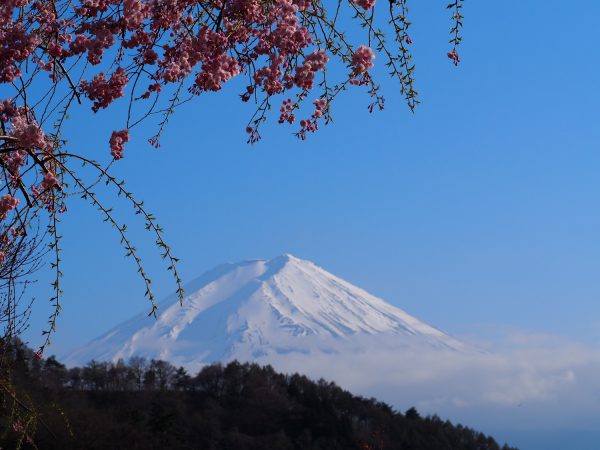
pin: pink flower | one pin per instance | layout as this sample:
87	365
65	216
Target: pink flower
7	110
28	133
320	105
287	112
305	74
17	427
16	46
49	182
362	60
215	72
453	55
134	13
35	191
365	4
117	143
102	91
7	204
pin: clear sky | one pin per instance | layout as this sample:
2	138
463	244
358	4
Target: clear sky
478	213
481	208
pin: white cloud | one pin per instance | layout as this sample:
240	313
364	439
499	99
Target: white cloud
524	381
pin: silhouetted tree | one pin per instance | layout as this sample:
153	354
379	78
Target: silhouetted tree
152	405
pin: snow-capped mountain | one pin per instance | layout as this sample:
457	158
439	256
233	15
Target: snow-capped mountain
254	309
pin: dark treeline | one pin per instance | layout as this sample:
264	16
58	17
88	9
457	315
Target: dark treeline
153	405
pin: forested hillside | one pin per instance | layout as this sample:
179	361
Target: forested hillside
153	405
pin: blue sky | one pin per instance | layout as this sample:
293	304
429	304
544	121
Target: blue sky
478	214
481	208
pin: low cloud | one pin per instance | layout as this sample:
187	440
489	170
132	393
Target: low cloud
524	381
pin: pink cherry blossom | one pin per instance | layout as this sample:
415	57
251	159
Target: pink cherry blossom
305	74
7	204
102	91
365	4
49	182
362	60
117	143
453	55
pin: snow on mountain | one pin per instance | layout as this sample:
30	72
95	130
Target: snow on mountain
254	309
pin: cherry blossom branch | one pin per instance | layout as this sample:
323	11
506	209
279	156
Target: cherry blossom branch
122	231
456	7
150	220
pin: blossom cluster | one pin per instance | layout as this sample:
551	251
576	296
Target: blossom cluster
362	60
312	124
102	91
166	41
117	143
7	204
365	4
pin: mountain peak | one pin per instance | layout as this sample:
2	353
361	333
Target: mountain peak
287	258
259	307
283	259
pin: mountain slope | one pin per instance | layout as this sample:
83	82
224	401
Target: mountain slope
256	308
